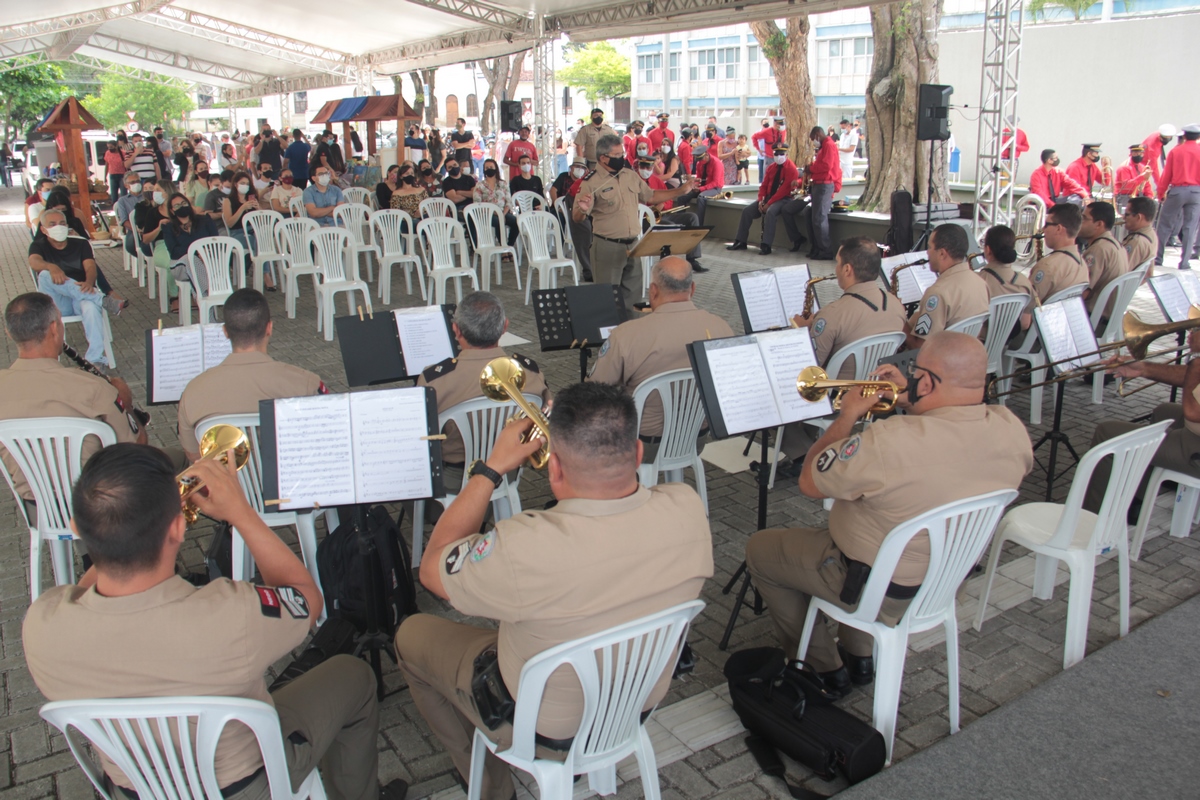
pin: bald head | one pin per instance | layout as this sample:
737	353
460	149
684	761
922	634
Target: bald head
671	281
958	359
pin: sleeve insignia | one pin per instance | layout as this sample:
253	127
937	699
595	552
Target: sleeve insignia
527	362
293	601
439	369
483	547
923	326
1037	276
604	348
931	303
456	559
818	327
268	601
850	448
826	459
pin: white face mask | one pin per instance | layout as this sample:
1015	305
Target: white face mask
577	172
641	151
323	180
59	233
666	148
646	173
135	188
780	159
243	188
159	197
527	168
226	190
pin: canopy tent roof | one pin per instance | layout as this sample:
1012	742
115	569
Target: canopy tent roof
67	115
382	108
250	50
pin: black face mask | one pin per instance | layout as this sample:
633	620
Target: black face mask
408	179
454	171
426	170
1136	159
490	172
766	124
597	120
266	176
617	164
158	136
1054	161
913	388
1094	157
184	212
202	176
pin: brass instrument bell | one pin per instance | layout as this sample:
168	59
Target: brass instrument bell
813	383
215	444
502	380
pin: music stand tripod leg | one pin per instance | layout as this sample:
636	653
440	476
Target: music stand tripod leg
373	639
742	571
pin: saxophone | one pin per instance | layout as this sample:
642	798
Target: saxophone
810	294
895	278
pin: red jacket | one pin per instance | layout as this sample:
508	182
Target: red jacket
826	166
766	139
1130	180
1154	153
1182	169
684	151
1022	142
631	146
1085	173
1049	183
710	174
656	136
656	183
789	174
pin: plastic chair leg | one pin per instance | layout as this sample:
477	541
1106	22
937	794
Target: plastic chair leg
810	619
951	626
164	302
62	562
479	751
1152	487
35	565
1184	513
1079	608
1123	576
701	482
1045	568
889	672
993	560
647	764
554	780
604	781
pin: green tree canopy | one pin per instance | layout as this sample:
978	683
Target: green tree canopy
26	94
598	70
153	104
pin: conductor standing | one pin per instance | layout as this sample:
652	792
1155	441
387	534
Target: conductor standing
610	195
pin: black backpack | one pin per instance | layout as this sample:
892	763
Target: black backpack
346	587
899	238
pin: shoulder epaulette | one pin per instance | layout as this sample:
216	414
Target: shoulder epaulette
587	175
526	362
440	369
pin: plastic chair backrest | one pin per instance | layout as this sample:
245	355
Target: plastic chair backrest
437	207
132	733
480	217
1123	288
683	413
250	476
1003	312
393	229
540	228
647	215
866	353
970	325
958	534
523	201
1131	453
291	239
296	207
219	256
49	453
480	421
437	237
357	194
261	225
330	245
353	217
618	669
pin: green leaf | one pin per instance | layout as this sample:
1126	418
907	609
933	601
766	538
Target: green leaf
153	104
26	94
598	70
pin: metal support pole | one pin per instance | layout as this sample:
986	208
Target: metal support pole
995	174
545	119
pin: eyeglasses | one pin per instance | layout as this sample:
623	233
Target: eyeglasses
914	366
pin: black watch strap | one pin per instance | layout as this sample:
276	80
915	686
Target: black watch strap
480	468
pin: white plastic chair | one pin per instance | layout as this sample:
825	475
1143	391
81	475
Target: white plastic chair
130	732
971	326
218	256
540	230
250	477
262	224
523	201
49	453
618	670
1030	350
1064	531
355	218
479	422
1111	329
396	234
291	242
438	207
564	217
443	244
489	252
683	417
357	194
1003	312
1183	514
332	249
1028	220
296	207
646	217
108	337
958	534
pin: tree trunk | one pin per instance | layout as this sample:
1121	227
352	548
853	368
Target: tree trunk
788	56
418	92
514	74
906	53
495	73
431	103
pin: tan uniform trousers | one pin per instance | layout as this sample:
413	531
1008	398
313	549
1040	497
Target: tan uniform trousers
610	264
1179	451
790	565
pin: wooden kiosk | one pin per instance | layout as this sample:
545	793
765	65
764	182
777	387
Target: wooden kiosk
68	121
371	110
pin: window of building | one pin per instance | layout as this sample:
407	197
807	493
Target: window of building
844	65
650	68
472	106
758	64
727	62
709	65
673	68
300	103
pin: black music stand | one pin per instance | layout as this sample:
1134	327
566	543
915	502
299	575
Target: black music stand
573	317
764	471
372	353
1055	436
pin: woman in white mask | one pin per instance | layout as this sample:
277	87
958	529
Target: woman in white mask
667	164
234	207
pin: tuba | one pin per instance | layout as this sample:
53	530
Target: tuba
502	380
813	384
810	294
215	444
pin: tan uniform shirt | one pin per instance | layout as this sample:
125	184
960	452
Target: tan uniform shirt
586	138
903	466
1058	270
456	380
1141	246
1002	279
1106	261
584	566
172	639
235	386
42	387
657	342
958	293
864	310
615	213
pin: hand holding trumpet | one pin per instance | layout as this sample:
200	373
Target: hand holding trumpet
510	451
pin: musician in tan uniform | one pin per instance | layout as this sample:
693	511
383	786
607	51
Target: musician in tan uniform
1001	279
610	196
582	567
479	322
587	137
1141	242
1061	267
1105	258
949	446
37	385
246	376
657	342
957	293
132	628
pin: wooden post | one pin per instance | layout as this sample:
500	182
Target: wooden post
70	119
371	137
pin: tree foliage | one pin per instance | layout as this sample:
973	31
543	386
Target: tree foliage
502	74
153	104
787	51
598	70
1037	8
26	94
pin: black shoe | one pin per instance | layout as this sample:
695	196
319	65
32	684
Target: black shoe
795	248
396	790
764	249
697	268
587	276
861	668
736	246
822	257
837	682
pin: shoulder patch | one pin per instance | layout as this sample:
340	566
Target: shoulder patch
826	459
268	601
456	559
1037	276
923	326
440	369
293	601
850	448
483	548
931	303
526	362
604	348
322	388
1128	249
818	327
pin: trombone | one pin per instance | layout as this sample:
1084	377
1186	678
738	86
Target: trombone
813	384
1193	314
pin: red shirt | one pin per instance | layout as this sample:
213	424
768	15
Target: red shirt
114	162
788	175
657	135
1085	173
1130	180
1050	183
656	183
1154	154
765	140
518	148
710	173
826	166
1022	142
631	146
1182	169
684	151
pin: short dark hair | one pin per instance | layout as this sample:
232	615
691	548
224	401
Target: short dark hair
28	317
595	421
951	238
1142	206
1103	212
296	133
124	502
844	122
246	317
1067	215
460	119
1003	243
862	254
1047	154
43	181
226	175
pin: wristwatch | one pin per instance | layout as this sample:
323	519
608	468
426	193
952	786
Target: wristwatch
480	468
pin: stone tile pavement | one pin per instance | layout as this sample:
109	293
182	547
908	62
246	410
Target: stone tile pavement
700	753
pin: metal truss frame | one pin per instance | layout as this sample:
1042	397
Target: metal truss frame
267	86
123	48
129	72
483	13
84	19
544	110
995	175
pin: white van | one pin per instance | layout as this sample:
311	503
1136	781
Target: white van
95	143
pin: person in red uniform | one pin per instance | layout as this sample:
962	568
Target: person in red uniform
520	147
1156	149
773	195
637	146
1021	140
661	132
826	174
1179	193
1134	176
710	180
684	150
763	142
1055	186
645	168
1084	170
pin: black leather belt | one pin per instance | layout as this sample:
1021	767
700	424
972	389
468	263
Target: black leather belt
650	439
630	240
862	571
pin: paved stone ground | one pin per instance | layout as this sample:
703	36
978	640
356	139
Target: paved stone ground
1017	650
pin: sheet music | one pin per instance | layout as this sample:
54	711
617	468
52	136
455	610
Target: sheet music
424	340
391	461
914	282
314	450
1172	296
1081	331
1067	334
744	390
178	357
216	345
792	282
760	293
785	354
606	332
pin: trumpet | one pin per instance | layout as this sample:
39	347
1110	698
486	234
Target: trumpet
725	195
215	444
895	277
810	293
502	380
813	384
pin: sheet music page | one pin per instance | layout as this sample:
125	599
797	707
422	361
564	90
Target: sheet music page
791	282
607	331
744	389
216	344
760	293
391	462
1191	286
314	452
424	340
786	353
1081	331
1055	330
177	354
1172	296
